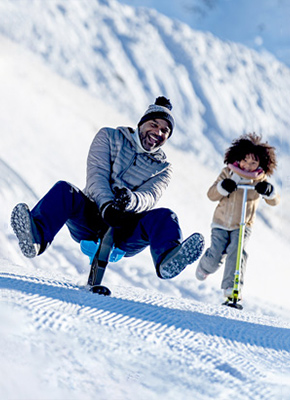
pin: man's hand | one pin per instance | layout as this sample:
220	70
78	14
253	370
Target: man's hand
125	200
113	217
116	212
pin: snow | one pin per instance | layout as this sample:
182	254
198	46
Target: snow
260	24
69	344
152	339
221	89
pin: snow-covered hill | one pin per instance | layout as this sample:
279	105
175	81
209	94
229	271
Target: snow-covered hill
261	24
159	339
162	340
119	54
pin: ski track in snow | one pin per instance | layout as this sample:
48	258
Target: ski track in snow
202	341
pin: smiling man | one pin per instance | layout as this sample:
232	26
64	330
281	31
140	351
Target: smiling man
153	134
127	173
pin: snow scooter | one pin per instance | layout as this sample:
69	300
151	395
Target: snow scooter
100	253
233	300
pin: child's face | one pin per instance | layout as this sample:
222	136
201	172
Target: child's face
249	163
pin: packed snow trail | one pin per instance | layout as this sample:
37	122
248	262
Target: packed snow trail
164	346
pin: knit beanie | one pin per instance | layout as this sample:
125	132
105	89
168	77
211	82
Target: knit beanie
161	109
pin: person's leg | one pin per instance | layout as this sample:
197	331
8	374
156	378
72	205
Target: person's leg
214	256
66	204
63	204
230	264
159	228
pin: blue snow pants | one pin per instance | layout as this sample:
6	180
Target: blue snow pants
66	205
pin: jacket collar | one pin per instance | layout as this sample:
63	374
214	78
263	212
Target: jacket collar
128	132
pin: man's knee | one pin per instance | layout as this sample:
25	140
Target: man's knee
66	187
163	214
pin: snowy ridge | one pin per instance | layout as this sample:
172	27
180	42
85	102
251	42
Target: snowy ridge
219	89
267	22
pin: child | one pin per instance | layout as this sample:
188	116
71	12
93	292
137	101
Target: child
249	161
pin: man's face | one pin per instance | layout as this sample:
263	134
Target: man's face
154	133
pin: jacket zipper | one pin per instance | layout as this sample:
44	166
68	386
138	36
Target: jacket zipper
132	162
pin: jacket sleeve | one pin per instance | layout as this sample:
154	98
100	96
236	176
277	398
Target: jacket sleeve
213	194
273	199
98	186
149	193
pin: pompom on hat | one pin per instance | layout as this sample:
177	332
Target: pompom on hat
161	109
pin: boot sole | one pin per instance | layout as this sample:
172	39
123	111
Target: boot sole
189	252
21	225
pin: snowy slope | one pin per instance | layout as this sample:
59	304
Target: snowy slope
260	24
58	124
62	342
219	89
162	340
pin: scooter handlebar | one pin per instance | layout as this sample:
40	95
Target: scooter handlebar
247	187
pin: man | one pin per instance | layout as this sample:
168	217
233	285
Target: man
127	173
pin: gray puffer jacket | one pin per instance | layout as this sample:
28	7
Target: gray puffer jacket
113	161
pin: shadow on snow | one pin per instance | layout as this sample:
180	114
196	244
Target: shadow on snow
244	332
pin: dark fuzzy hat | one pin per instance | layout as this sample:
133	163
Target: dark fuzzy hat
160	109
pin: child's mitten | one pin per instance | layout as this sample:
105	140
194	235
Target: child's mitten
264	188
229	185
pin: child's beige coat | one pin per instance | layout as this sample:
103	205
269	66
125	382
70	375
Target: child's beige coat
227	214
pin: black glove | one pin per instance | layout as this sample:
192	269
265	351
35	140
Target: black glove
264	188
124	200
229	185
113	216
